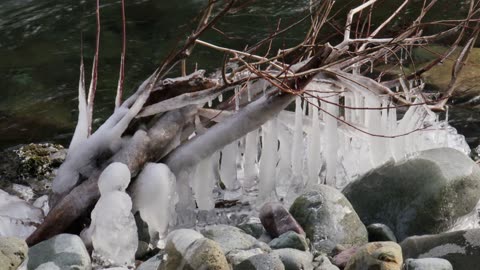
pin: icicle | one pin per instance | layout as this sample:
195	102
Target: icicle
220	98
297	147
228	169
204	183
331	138
446	114
284	170
268	161
249	94
371	66
373	122
314	148
386	59
250	160
209	103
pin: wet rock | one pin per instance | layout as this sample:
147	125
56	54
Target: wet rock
13	252
460	248
377	255
328	219
323	263
378	232
428	264
188	250
341	259
261	262
290	239
232	238
294	259
420	195
65	251
277	220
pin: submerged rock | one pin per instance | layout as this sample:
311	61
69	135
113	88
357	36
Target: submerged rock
377	255
65	251
13	252
328	219
460	248
428	264
421	195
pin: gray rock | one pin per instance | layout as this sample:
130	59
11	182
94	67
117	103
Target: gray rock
341	258
378	232
235	257
294	259
65	251
189	250
428	264
254	229
13	251
328	219
420	195
460	248
323	263
261	262
290	239
232	238
277	220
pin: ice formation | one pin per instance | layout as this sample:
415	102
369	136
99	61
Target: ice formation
154	196
344	132
17	217
113	230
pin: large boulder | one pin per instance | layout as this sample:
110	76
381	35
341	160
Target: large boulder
460	248
189	250
377	256
328	219
64	251
13	252
424	194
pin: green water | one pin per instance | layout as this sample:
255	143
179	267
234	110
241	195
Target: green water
40	51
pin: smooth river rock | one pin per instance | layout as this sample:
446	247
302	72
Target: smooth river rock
328	219
13	252
421	195
277	220
377	256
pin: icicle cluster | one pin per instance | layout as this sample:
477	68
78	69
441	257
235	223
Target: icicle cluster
333	136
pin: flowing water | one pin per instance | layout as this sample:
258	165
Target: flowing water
40	44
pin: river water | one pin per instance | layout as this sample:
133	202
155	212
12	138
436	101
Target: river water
40	42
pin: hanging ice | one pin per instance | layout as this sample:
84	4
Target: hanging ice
250	159
113	230
228	168
204	182
268	161
154	196
314	148
331	137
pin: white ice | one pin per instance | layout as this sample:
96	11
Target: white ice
113	230
154	196
17	217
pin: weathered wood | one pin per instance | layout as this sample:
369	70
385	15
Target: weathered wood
141	148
